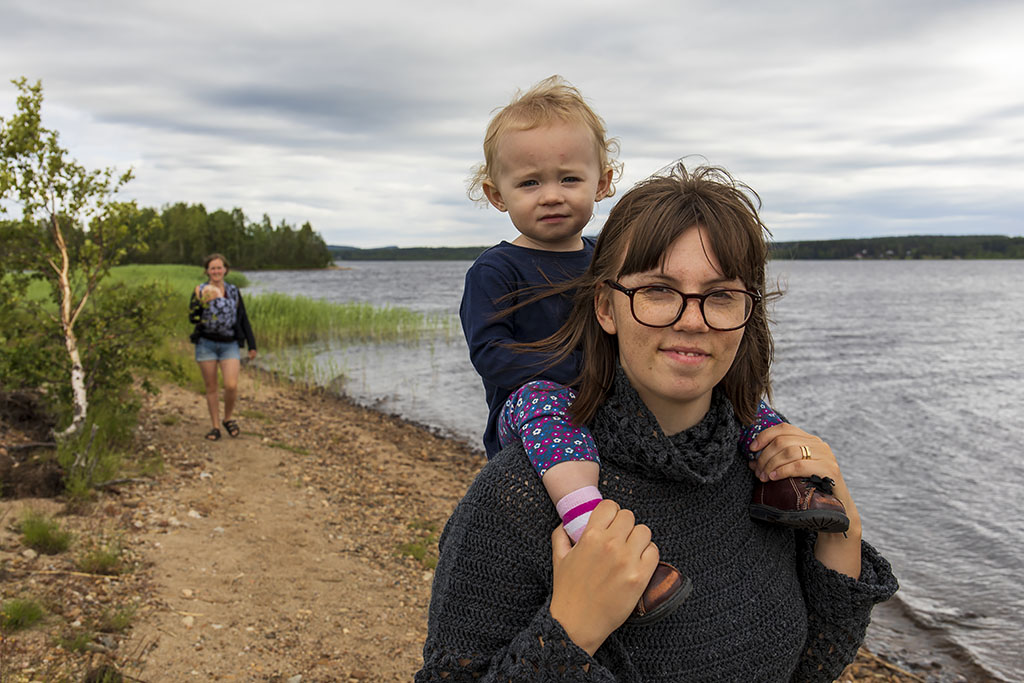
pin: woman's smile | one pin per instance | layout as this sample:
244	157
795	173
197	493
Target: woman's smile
686	355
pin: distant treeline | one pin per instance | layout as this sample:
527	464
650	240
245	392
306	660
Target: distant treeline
908	247
186	233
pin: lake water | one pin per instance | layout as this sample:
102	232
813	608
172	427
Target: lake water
911	370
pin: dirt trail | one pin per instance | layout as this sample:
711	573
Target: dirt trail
277	555
284	555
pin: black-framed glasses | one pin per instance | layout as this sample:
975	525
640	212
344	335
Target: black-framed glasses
661	306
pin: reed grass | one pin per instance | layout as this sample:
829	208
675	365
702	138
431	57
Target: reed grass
285	326
281	321
291	331
285	321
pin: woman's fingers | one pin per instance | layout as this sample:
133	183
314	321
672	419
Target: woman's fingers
561	544
788	451
603	515
598	582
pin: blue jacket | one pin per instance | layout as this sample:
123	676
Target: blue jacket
501	270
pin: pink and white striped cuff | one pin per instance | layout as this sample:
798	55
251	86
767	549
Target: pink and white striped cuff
575	508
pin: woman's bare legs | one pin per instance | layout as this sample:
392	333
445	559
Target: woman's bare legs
208	368
229	368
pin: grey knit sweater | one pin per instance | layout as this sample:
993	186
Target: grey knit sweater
762	609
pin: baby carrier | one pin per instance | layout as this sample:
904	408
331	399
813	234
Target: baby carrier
219	315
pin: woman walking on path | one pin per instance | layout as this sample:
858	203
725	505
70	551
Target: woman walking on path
676	357
222	327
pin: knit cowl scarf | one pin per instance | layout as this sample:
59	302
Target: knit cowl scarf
632	439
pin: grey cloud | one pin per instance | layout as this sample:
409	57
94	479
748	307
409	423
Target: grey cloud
367	123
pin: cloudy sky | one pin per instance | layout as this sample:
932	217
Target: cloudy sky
851	119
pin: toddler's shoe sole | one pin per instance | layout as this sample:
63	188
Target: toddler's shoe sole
802	503
667	590
829	521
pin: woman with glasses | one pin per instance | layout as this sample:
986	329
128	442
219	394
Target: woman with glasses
676	350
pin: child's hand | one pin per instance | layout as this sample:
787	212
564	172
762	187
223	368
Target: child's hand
598	582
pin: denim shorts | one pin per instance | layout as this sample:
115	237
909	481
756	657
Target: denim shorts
207	349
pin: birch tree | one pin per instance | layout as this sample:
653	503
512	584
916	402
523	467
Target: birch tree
70	232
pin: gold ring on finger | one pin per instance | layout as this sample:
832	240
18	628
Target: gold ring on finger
805	453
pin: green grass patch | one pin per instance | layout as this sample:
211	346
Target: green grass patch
422	548
115	620
298	450
252	414
148	464
89	458
101	558
43	534
17	614
177	276
74	641
169	419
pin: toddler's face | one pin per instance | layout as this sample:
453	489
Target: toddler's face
547	179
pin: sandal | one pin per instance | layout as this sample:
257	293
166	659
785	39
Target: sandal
232	428
213	435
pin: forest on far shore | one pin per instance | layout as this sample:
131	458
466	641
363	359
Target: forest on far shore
907	247
187	233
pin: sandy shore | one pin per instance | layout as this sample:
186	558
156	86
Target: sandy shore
299	552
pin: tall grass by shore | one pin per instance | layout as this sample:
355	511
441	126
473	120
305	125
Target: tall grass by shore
285	321
281	321
291	331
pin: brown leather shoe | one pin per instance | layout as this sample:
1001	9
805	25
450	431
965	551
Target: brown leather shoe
667	589
803	503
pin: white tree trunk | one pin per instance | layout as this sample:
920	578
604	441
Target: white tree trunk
79	399
80	402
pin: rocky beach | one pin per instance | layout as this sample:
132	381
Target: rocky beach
300	552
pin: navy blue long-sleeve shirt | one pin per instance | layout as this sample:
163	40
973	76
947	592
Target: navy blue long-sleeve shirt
503	269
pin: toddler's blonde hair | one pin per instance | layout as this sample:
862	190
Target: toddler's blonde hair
553	99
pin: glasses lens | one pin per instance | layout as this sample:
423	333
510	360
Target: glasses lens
658	306
661	306
727	309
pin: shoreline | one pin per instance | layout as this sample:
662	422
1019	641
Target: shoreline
259	554
883	663
894	637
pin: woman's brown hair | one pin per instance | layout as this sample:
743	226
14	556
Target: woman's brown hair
635	239
213	257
